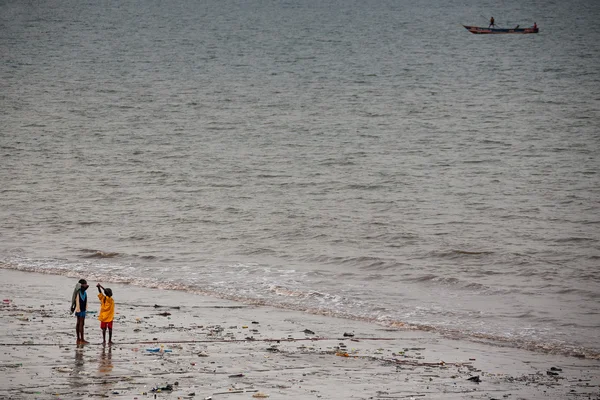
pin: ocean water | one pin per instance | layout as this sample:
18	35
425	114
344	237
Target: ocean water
369	160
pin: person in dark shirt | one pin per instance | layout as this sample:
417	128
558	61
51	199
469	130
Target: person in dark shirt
79	307
492	22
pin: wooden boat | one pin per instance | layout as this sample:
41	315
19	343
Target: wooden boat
479	29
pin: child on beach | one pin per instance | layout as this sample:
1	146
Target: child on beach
79	307
107	312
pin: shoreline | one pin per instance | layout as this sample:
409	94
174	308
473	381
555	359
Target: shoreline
552	347
222	349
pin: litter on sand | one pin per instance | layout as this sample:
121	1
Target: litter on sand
159	350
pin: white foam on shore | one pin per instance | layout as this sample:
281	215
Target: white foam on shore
311	302
217	346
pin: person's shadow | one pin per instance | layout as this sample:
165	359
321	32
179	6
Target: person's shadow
105	366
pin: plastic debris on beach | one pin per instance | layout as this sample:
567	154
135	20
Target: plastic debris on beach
167	388
158	350
63	369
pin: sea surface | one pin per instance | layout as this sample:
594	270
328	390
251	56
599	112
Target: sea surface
369	160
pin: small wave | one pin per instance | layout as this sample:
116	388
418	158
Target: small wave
259	251
567	291
362	262
474	161
457	253
475	285
98	254
220	128
34	126
13	191
472	252
450	281
225	185
423	278
270	176
335	162
374	115
295	293
109	91
364	187
157	173
137	237
375	277
489	141
575	239
87	223
122	106
581	293
368	263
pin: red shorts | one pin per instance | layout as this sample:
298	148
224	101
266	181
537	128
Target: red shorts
104	325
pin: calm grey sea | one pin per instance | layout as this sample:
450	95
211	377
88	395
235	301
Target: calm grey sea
370	160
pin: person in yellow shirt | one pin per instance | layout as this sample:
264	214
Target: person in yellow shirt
107	312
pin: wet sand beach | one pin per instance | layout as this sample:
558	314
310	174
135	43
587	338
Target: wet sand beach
173	344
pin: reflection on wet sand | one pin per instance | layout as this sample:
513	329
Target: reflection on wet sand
78	367
105	366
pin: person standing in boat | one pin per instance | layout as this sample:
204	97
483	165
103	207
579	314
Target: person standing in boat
535	25
492	22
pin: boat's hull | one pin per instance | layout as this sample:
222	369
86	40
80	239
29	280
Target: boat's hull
481	30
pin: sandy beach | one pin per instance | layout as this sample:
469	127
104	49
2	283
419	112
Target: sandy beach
173	344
